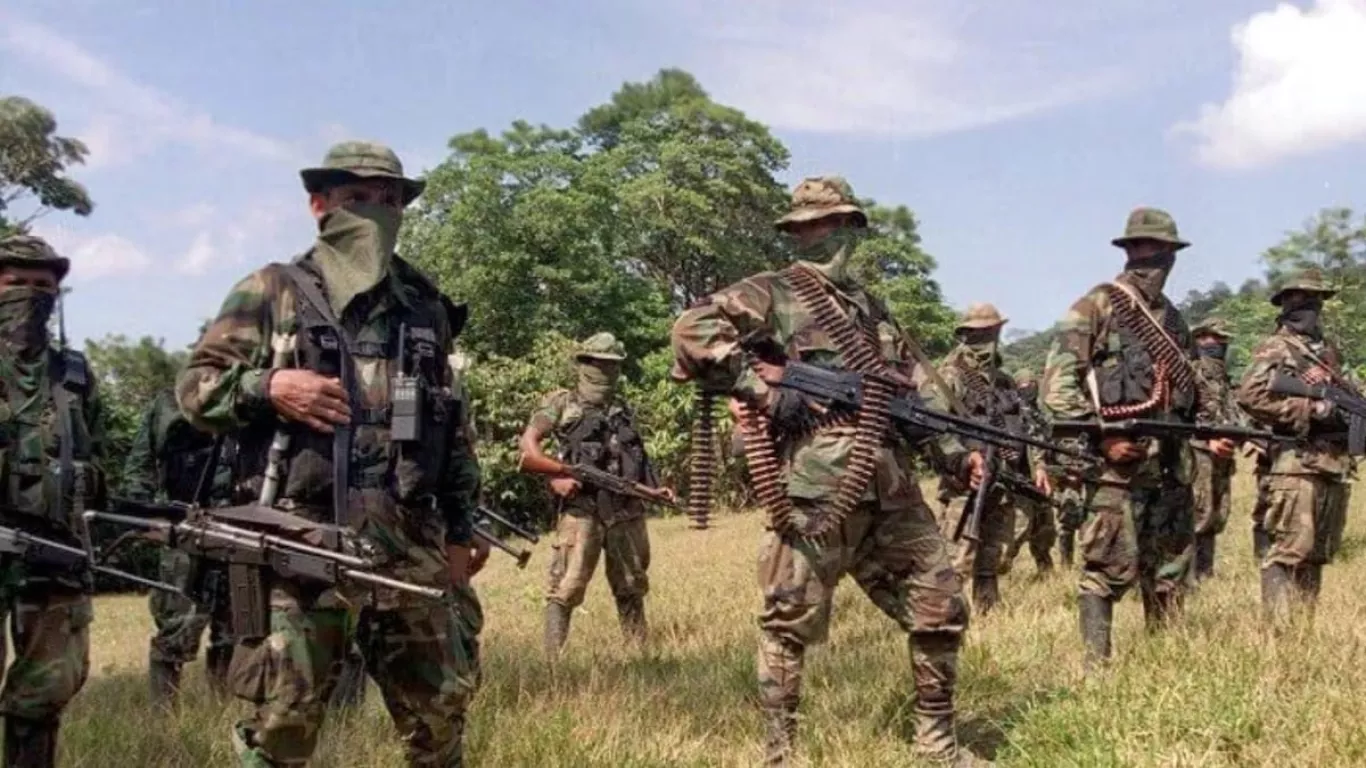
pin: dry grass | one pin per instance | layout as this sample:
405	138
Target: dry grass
1215	692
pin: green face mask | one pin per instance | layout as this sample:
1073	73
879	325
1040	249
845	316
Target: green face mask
355	248
24	315
597	382
834	252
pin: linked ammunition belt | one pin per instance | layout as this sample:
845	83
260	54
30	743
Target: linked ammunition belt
983	396
1171	367
702	462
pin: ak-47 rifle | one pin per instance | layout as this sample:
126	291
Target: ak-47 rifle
483	513
1350	406
603	480
1159	428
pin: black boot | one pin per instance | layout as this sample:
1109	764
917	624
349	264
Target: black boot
1261	542
1097	615
216	661
631	612
163	680
986	594
1275	592
30	743
556	627
1066	541
1204	556
350	690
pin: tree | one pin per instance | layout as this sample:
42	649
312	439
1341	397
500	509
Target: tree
129	375
897	270
33	163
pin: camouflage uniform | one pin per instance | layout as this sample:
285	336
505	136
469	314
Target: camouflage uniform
974	379
1035	524
411	503
1306	491
49	611
890	544
1212	476
1138	527
597	428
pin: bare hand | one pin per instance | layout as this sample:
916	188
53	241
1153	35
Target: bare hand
976	470
564	487
478	556
458	556
1222	447
305	396
769	372
1042	481
1120	450
668	495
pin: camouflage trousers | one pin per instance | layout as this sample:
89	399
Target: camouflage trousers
1137	535
424	658
1212	491
180	623
580	540
1263	501
896	556
50	637
1305	517
980	558
1035	526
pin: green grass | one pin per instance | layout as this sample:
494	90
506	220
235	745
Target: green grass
1213	692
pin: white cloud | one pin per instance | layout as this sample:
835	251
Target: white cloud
93	256
201	255
903	68
128	119
1299	86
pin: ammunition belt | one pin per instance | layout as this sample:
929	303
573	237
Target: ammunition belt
702	462
1171	367
983	395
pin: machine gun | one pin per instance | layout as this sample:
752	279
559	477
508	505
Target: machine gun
1350	405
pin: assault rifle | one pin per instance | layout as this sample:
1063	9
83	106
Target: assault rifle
46	554
1159	428
481	529
606	481
294	548
1350	405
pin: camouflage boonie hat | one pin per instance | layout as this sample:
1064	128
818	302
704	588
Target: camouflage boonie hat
981	315
1150	224
33	252
600	346
1309	280
1212	326
353	160
1025	376
820	196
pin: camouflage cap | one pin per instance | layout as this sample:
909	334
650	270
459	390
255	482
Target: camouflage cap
33	252
1309	280
1025	376
1150	224
600	346
353	160
820	196
1212	326
981	315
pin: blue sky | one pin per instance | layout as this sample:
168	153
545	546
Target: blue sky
1020	133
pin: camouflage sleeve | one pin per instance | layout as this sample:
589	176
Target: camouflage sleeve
1254	391
951	451
1063	389
707	339
140	468
548	413
224	385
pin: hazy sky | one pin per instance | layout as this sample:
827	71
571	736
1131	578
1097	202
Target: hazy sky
1020	133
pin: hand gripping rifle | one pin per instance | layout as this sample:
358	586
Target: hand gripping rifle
483	515
1350	406
603	480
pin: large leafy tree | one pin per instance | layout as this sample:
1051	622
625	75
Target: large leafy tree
33	165
129	375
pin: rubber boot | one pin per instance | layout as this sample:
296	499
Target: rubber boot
1275	592
1308	580
1066	540
986	594
216	661
556	627
1097	615
1043	563
780	734
163	680
934	666
350	690
1261	542
631	612
30	743
1204	556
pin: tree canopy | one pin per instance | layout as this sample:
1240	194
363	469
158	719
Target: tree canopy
33	165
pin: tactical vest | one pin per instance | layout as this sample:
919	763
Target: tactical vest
1125	370
36	441
405	462
995	402
605	439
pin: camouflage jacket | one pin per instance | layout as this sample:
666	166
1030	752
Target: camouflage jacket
1091	343
559	412
223	390
1291	353
707	344
30	445
975	387
1217	405
168	457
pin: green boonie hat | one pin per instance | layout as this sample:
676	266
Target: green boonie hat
1150	224
353	160
981	315
1025	376
1212	326
820	196
34	252
601	346
1309	280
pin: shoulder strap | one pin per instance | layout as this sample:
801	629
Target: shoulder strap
1150	332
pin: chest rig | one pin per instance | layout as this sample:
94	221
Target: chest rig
1144	369
998	406
606	438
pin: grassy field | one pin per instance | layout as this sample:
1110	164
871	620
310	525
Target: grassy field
1215	692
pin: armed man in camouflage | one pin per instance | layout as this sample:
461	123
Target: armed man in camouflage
270	369
735	343
980	389
1068	499
1123	350
1306	493
1212	473
1035	525
593	425
54	434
